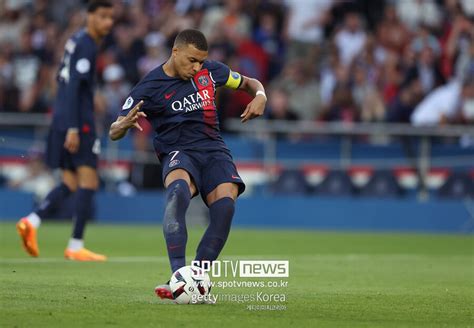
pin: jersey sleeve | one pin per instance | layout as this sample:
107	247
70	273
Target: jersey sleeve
82	63
79	75
138	93
224	76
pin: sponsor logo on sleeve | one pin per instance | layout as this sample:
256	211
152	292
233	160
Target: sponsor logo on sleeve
83	65
128	103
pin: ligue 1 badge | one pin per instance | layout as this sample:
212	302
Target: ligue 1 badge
203	80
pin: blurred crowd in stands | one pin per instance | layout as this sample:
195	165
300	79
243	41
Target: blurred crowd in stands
407	61
369	61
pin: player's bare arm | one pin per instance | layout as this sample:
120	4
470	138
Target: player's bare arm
119	128
257	106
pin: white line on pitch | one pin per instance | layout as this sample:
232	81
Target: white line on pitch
125	259
292	258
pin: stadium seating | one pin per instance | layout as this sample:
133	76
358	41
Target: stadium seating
458	185
291	182
336	183
381	184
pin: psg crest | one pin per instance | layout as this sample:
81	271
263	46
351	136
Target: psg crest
203	80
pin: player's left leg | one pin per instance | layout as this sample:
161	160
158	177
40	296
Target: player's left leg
221	202
88	183
28	226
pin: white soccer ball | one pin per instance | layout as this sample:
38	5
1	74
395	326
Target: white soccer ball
190	285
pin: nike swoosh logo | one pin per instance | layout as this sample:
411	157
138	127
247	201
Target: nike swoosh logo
169	95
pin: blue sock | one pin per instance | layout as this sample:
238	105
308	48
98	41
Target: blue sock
83	211
221	213
52	201
178	197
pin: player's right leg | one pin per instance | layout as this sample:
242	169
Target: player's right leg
88	182
179	190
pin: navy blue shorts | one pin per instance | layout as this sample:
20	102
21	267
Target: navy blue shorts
208	169
58	157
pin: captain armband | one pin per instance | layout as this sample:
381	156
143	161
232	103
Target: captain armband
234	81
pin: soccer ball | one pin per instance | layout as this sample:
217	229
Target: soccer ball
190	285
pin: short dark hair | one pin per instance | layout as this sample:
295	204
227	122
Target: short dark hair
93	5
191	36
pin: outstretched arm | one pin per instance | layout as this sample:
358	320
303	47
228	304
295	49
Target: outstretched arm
256	107
119	128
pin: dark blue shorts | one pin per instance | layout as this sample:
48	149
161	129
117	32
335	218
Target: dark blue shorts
208	169
58	157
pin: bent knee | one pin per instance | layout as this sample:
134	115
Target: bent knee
87	178
224	190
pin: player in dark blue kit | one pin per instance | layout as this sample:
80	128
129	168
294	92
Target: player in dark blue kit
72	144
178	99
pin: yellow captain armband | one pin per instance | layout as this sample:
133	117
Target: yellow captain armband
234	81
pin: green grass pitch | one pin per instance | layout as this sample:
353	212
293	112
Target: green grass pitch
336	280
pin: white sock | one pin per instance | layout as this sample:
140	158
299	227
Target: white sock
75	244
34	219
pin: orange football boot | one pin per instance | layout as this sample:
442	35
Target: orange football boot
83	255
28	236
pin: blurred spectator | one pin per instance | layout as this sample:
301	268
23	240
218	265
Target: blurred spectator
351	39
8	93
425	68
465	63
366	96
156	53
417	12
173	17
450	103
228	19
457	41
342	107
328	74
13	21
305	26
112	94
252	60
401	108
278	107
268	34
392	34
26	68
425	39
128	51
390	77
299	80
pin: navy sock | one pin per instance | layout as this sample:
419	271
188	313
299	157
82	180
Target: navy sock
52	201
178	197
220	213
83	211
